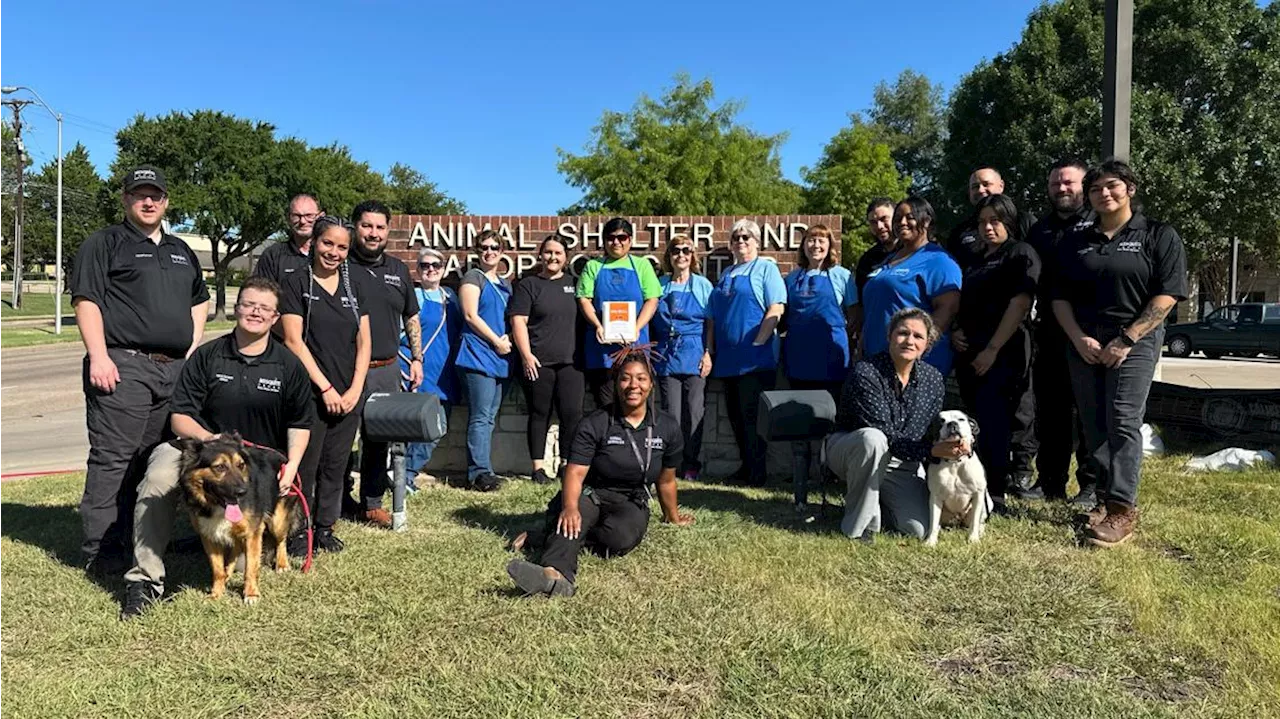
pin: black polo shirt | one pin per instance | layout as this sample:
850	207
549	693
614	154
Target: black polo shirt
144	289
1045	236
1109	281
391	301
260	397
966	244
552	309
871	259
330	325
990	285
281	260
605	444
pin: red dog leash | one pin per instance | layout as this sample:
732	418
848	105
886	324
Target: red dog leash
295	490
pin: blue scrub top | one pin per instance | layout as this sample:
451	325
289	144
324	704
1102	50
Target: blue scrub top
914	282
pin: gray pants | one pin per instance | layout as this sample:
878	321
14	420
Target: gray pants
158	497
879	484
123	425
1112	404
373	455
684	397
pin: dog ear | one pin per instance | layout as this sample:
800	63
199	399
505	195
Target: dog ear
233	436
935	427
973	425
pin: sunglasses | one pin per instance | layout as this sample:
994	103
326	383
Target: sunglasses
431	265
742	238
491	248
682	250
619	238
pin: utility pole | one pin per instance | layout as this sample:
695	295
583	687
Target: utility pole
1117	78
17	106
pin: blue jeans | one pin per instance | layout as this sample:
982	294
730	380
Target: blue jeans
484	398
417	455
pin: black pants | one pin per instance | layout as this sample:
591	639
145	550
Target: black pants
684	397
1058	425
743	395
994	400
1023	440
373	455
600	382
1112	404
560	386
123	425
324	465
613	523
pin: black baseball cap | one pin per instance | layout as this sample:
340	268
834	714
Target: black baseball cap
145	175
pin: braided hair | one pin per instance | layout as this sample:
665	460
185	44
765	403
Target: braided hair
644	354
323	223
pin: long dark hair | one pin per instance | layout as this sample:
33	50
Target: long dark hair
1006	212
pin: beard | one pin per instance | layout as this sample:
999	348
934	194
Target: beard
1067	203
366	255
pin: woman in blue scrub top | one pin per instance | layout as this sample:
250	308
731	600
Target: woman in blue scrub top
815	350
920	274
482	355
683	362
616	277
441	319
741	333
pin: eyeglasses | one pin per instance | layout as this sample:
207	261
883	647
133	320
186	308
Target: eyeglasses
251	308
153	196
307	217
682	250
742	238
491	248
431	265
620	238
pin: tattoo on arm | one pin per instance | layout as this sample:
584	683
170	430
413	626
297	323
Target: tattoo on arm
413	330
1152	315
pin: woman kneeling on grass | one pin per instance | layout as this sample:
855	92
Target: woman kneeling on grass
605	499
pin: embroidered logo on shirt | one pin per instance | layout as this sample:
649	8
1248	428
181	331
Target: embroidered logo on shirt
179	259
655	443
568	289
1129	246
614	439
266	384
391	280
346	302
225	377
144	254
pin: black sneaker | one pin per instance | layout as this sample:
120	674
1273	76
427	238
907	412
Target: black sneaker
486	483
326	541
534	579
540	477
1021	487
108	565
138	597
296	544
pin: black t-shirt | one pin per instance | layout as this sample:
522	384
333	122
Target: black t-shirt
872	258
1109	282
145	290
391	301
608	446
1045	236
967	246
552	310
988	287
330	325
260	397
280	260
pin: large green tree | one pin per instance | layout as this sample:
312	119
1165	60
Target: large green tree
679	155
1206	115
82	198
855	167
411	193
910	117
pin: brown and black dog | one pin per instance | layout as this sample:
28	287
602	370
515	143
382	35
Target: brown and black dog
233	494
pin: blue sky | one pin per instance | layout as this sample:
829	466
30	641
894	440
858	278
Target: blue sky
478	95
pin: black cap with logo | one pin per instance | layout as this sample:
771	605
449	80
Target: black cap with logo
145	175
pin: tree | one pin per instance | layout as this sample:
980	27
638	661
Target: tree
910	117
409	192
337	180
1206	116
855	167
82	191
679	156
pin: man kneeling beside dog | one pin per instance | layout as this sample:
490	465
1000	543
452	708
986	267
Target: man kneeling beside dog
249	383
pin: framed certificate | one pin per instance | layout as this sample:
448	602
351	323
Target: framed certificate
620	321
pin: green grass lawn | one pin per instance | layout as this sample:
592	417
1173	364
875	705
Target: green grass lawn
34	304
745	614
30	336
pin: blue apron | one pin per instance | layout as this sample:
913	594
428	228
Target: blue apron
737	315
613	285
817	345
677	330
475	353
439	321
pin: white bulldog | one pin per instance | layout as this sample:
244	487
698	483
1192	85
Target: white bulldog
957	487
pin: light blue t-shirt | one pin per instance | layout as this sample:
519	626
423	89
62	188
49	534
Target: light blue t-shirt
697	284
915	282
841	282
766	281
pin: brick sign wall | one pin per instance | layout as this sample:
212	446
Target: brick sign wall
454	235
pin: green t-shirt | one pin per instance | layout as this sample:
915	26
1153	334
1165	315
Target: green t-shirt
649	285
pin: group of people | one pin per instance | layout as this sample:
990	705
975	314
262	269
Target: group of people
1037	319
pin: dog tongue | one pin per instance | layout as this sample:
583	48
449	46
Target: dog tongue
233	513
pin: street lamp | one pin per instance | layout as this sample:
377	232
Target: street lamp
57	297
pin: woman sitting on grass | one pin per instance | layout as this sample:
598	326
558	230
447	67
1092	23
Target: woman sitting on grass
605	499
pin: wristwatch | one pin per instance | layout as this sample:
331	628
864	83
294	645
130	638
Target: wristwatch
1126	339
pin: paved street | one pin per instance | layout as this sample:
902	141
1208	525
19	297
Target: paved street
42	407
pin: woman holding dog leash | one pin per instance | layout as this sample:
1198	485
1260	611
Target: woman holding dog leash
993	340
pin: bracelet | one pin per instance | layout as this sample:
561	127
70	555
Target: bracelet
326	389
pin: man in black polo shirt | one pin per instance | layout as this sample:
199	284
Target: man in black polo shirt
245	382
291	254
1057	419
141	303
880	225
392	304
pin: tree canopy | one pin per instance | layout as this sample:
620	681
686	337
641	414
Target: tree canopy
910	117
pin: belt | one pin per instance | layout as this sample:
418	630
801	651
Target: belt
375	364
153	356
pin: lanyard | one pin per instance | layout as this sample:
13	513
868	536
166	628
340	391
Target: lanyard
648	443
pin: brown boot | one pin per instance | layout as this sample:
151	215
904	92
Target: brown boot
1095	515
1115	528
378	517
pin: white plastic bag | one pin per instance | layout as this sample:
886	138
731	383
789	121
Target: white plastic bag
1233	459
1152	445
